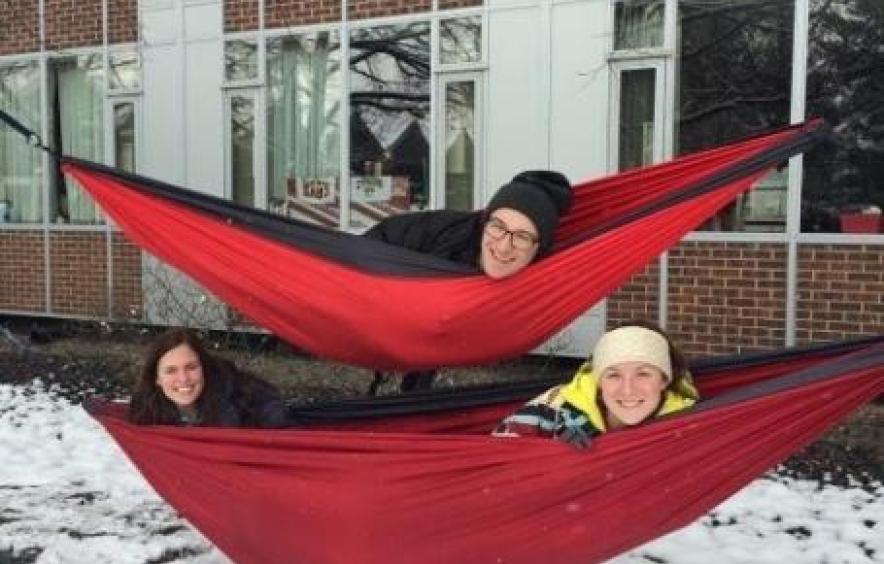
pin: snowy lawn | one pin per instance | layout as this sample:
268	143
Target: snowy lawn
69	495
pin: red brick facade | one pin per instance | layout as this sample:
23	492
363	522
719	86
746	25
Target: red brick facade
73	23
78	273
122	21
282	13
723	298
727	297
840	292
22	271
19	26
127	300
240	15
637	299
364	9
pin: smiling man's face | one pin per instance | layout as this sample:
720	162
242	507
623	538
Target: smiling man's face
509	243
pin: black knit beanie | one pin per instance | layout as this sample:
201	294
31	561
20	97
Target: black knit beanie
542	195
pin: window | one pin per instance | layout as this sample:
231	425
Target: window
241	132
734	81
460	40
124	71
638	24
240	60
303	135
123	112
389	121
20	180
76	98
637	120
845	85
459	141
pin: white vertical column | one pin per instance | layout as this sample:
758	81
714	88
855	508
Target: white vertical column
800	39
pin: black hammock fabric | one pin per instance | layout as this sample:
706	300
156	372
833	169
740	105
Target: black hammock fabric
367	303
430	485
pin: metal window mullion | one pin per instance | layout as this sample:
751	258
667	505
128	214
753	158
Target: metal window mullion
798	109
47	163
436	192
109	154
344	126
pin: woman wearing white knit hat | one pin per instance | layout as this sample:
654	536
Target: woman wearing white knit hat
635	373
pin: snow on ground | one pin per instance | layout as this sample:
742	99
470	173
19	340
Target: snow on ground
69	495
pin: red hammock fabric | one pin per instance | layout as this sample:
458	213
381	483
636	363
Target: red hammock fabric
373	317
438	489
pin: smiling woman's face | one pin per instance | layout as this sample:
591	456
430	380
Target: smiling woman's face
180	375
631	392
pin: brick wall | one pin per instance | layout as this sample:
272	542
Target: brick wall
727	297
78	273
637	299
840	292
19	26
362	9
122	21
73	23
281	13
22	271
240	15
126	290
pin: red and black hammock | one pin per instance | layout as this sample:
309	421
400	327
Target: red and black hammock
367	303
422	481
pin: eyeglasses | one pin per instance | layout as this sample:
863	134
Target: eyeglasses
519	238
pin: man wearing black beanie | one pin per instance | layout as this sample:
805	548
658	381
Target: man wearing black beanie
516	227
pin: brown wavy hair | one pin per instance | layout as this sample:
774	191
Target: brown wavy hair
150	406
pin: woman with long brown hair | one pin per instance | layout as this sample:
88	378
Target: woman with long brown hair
182	384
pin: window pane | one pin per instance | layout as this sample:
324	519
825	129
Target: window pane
124	136
20	165
460	131
460	40
125	71
76	108
638	24
303	136
637	94
389	121
845	85
240	60
242	149
735	81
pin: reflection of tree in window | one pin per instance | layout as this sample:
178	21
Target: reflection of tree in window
460	40
734	79
460	101
390	103
240	59
303	133
845	85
